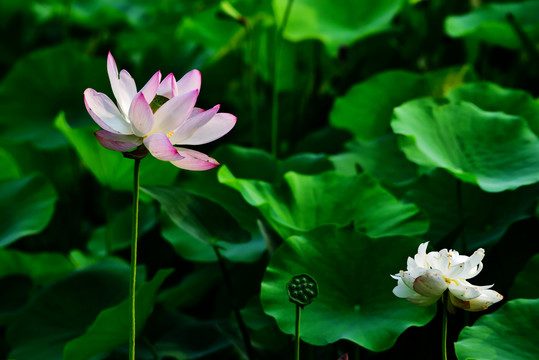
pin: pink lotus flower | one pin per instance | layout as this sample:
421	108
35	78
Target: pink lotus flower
161	116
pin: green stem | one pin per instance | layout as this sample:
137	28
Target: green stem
298	319
444	326
276	67
237	313
133	276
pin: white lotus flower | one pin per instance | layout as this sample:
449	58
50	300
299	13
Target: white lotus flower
429	275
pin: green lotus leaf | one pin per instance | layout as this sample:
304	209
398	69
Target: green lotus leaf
366	109
310	201
324	20
508	333
497	151
355	301
109	329
489	23
10	168
41	268
26	207
63	311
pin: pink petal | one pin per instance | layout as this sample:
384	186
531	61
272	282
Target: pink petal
189	82
194	160
174	112
105	113
160	147
150	89
117	142
192	124
216	127
168	87
123	86
141	116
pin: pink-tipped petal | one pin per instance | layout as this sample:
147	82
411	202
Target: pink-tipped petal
160	147
150	89
192	124
117	142
189	82
194	160
174	112
105	113
218	126
124	91
141	116
112	69
168	87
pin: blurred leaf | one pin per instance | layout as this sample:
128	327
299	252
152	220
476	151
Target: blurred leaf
16	290
118	230
55	78
198	224
508	333
483	218
355	300
492	149
308	202
488	23
10	168
64	310
525	284
111	326
192	289
41	267
336	23
26	207
110	167
366	109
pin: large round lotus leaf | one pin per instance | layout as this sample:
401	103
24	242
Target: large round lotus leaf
365	110
310	201
56	79
492	97
525	284
26	207
10	168
335	22
355	300
489	23
492	149
110	167
511	332
461	210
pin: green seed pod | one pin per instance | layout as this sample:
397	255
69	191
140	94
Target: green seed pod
302	289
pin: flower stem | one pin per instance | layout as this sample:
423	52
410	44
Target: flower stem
298	319
276	68
237	313
444	326
133	276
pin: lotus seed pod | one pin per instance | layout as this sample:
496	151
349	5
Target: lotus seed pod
302	289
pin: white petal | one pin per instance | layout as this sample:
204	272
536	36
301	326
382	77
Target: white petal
403	291
168	87
150	89
174	112
105	113
430	284
421	300
482	302
216	127
189	82
141	116
464	291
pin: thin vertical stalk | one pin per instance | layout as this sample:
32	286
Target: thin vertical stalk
133	276
276	68
444	325
237	313
298	319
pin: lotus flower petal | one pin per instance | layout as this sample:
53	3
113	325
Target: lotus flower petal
430	284
482	302
168	87
194	160
174	112
201	130
160	147
150	89
117	142
141	116
105	113
189	82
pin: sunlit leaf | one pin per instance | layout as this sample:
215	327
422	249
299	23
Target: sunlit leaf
324	20
497	151
508	333
355	301
489	23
